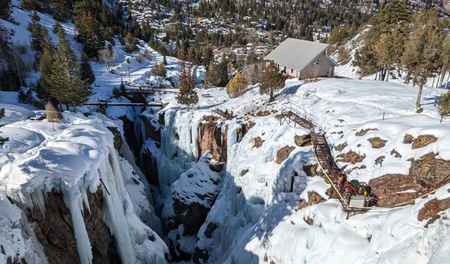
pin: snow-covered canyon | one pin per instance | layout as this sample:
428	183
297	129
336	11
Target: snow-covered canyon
245	190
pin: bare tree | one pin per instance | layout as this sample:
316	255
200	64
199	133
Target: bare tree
106	56
52	114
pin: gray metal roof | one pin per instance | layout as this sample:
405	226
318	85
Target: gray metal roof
296	53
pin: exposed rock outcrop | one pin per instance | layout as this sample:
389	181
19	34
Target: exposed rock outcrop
54	230
313	198
283	153
193	195
362	132
350	157
425	174
431	210
377	142
423	140
302	141
213	139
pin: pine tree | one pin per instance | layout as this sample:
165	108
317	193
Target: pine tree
237	86
46	60
187	95
86	69
271	80
385	41
89	34
445	60
444	105
5	8
35	30
68	85
423	50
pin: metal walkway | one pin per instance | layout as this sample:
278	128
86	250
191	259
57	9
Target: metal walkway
323	156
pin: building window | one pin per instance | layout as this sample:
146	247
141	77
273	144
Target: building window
292	70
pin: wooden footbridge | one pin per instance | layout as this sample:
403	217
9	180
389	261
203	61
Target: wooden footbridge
126	104
325	160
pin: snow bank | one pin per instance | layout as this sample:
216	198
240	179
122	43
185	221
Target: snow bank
74	156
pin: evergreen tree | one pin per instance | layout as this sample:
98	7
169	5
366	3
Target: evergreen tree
237	86
61	9
35	29
218	73
46	59
68	85
89	34
187	95
445	60
86	69
271	80
385	41
5	8
422	55
444	105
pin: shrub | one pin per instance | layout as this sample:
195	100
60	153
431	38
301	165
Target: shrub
237	86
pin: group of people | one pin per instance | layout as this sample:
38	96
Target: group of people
352	187
228	115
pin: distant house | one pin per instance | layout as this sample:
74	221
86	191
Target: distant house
302	59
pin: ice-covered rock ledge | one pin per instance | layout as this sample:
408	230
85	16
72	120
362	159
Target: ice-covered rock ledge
75	159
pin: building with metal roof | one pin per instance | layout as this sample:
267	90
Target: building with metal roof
302	59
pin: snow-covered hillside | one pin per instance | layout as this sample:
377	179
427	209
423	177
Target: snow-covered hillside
250	211
256	216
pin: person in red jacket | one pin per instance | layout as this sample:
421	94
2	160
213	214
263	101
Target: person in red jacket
341	179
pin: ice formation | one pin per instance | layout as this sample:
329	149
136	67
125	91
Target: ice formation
76	157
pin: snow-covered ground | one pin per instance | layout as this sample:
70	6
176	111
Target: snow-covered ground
258	218
263	222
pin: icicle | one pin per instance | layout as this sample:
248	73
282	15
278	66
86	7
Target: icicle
74	203
115	215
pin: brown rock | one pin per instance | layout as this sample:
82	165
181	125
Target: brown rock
389	186
430	172
395	154
150	130
379	160
118	141
310	170
313	198
408	139
55	230
304	140
350	157
362	132
243	172
263	113
431	209
377	142
340	147
257	142
423	140
212	140
284	153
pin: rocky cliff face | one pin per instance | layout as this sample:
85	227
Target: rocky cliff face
54	230
193	195
426	174
213	138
